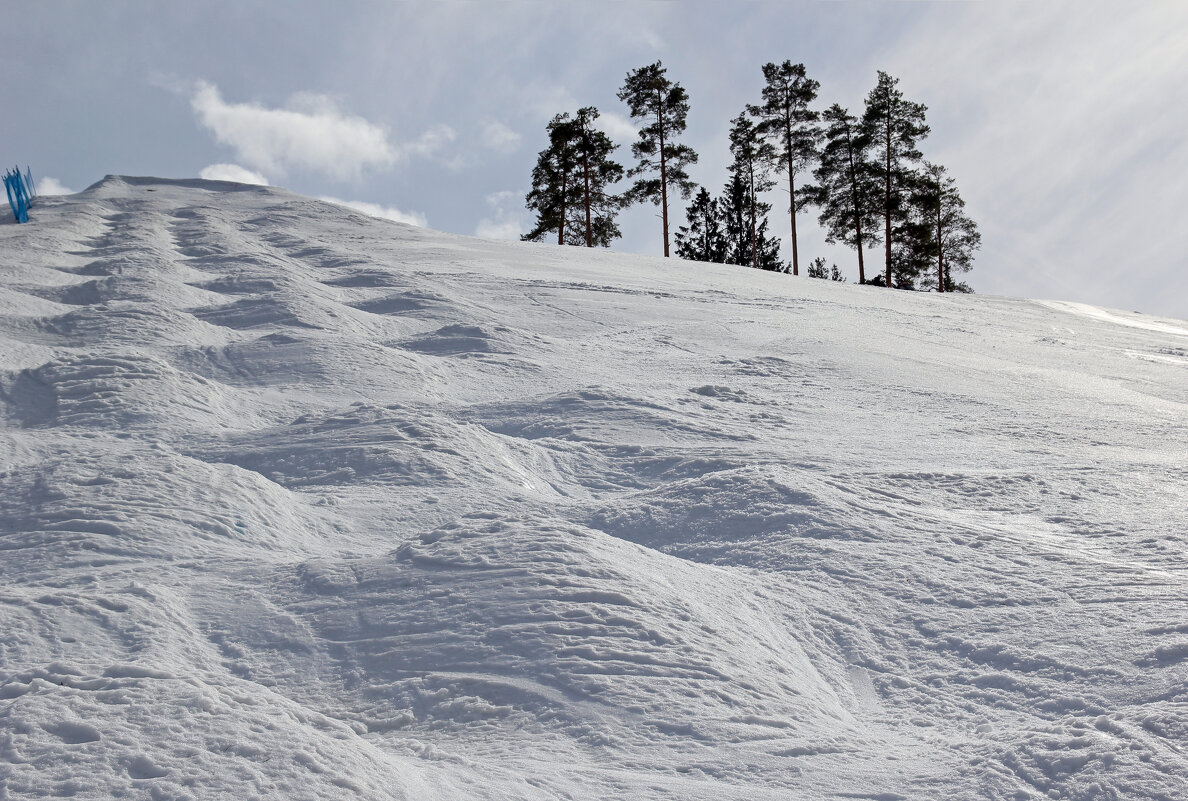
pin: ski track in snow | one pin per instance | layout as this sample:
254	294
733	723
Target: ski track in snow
297	503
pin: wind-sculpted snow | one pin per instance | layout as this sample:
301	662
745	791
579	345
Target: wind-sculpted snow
297	503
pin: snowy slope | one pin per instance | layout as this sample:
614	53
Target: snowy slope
296	503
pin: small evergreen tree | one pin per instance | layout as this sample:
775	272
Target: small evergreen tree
753	157
787	121
734	219
817	269
952	235
663	105
703	238
741	247
569	184
912	248
893	126
845	191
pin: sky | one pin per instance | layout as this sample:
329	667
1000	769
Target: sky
1062	122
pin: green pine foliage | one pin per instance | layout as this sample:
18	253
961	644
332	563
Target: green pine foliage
817	269
554	195
761	250
570	184
704	238
952	236
752	174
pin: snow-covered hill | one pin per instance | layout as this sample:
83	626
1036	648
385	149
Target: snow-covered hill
301	504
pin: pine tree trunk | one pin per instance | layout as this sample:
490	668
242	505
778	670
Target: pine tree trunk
561	225
663	168
861	268
940	248
589	225
857	207
887	201
791	189
751	201
792	194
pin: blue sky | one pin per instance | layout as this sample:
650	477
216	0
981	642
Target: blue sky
1063	122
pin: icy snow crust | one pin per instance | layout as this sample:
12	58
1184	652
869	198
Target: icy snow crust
300	504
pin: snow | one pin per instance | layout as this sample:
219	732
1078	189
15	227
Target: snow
299	503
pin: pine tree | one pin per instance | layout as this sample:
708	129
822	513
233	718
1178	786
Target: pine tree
703	239
555	195
817	269
952	235
753	157
910	231
845	192
742	248
788	122
893	126
569	184
597	172
734	218
663	105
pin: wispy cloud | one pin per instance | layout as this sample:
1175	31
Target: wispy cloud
310	133
51	186
506	220
428	144
232	172
499	137
383	212
618	127
1061	153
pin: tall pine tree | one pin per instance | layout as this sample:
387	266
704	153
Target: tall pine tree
893	126
845	192
569	184
788	122
752	165
663	106
703	239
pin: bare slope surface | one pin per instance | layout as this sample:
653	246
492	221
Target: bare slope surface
296	503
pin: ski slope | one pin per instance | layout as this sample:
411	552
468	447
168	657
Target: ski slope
301	504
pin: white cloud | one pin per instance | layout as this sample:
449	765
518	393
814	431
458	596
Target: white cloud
498	229
311	134
506	220
499	137
232	172
429	143
384	212
618	127
50	186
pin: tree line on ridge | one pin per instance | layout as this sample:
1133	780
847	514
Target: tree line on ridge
871	185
